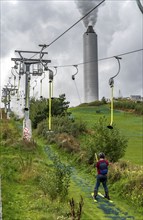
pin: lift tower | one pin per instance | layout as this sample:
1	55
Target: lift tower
24	69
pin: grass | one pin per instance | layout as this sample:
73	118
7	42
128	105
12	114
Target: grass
130	125
83	181
22	197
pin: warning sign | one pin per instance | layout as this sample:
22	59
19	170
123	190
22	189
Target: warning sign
27	132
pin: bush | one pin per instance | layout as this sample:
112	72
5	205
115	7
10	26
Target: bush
129	105
67	142
66	125
94	103
64	132
139	109
109	141
129	179
54	182
62	125
115	173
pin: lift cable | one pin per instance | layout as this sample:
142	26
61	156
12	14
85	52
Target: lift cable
45	46
140	5
101	59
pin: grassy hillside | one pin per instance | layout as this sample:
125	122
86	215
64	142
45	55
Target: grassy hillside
130	125
30	174
24	168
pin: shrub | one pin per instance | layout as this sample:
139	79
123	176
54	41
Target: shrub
9	133
64	132
129	179
67	142
6	133
42	128
27	145
115	173
139	109
25	162
54	182
9	169
60	125
94	103
109	141
129	105
66	125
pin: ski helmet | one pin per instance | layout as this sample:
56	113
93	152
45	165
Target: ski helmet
101	155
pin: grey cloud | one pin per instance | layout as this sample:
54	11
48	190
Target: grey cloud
119	29
39	21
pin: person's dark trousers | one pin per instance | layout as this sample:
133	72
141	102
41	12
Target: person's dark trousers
101	179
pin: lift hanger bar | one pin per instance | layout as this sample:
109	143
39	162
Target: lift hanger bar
73	76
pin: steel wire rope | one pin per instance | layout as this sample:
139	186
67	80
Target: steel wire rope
140	5
45	46
101	59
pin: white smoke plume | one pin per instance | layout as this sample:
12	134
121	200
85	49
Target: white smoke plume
86	5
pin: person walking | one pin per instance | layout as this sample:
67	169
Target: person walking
102	170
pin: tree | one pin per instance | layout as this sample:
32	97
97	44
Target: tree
103	100
60	106
39	109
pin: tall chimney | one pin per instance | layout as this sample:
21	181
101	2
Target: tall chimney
90	59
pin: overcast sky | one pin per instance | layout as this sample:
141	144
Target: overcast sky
118	24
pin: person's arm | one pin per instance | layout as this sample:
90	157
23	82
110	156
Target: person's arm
107	163
97	165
